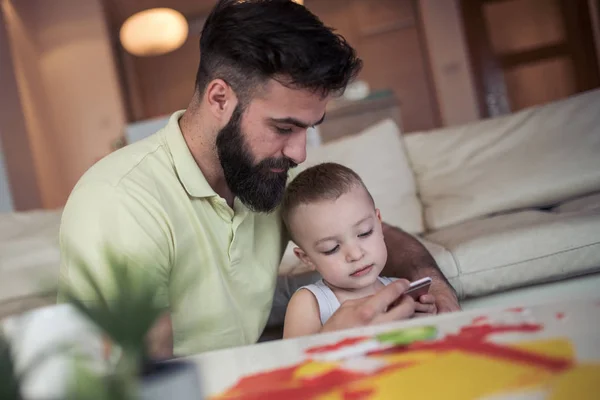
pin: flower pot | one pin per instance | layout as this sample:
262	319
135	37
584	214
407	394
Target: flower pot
173	379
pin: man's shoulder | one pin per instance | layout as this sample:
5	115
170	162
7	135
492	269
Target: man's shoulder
126	178
135	161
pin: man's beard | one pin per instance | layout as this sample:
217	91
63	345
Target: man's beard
259	188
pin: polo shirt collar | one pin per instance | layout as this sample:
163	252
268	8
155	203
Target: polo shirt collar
187	170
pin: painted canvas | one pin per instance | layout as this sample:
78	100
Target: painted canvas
489	358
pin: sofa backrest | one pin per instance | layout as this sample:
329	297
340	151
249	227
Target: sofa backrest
377	154
533	158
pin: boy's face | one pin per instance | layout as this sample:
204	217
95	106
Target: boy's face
342	239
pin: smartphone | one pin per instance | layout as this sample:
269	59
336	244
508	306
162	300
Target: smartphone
418	288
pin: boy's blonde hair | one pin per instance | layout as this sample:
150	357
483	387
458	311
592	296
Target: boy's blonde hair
325	181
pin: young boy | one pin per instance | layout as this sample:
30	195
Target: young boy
332	218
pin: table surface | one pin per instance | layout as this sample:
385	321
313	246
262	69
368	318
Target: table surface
538	351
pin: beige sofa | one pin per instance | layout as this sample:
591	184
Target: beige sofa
500	203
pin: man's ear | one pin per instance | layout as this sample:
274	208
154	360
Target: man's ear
304	258
221	99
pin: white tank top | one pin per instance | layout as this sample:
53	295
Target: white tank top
328	303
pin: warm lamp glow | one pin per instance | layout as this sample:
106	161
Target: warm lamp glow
153	32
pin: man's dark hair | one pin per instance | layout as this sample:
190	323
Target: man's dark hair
247	42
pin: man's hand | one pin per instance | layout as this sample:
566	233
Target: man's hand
445	299
408	258
159	339
373	310
425	306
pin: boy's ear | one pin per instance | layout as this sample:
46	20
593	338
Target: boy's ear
378	213
304	258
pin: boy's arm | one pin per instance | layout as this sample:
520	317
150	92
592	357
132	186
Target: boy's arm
302	316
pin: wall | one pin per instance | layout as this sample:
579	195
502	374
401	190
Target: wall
449	60
70	89
387	36
5	195
34	103
71	107
594	6
415	47
17	157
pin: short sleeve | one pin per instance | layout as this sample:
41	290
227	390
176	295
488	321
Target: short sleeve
102	218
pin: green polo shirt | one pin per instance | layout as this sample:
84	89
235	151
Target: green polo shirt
151	204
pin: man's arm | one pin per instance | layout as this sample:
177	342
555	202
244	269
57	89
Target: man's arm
409	259
97	218
159	340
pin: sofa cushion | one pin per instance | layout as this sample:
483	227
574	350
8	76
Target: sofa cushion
534	158
442	256
521	248
445	260
29	254
377	155
585	203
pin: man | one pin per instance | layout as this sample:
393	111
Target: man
195	206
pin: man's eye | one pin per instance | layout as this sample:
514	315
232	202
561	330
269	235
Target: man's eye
284	131
366	234
329	252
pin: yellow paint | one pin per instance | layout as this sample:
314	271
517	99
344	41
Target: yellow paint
459	375
314	369
580	382
558	348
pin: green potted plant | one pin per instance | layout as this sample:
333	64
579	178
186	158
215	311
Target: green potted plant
126	319
10	389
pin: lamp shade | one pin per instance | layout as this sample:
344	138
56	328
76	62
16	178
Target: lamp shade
153	32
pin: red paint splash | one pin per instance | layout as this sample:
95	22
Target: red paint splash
479	320
284	386
516	309
254	383
560	316
336	346
497	351
473	339
482	332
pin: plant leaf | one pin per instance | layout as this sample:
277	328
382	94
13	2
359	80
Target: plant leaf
10	386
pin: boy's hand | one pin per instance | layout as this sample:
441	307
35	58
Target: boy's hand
425	306
375	309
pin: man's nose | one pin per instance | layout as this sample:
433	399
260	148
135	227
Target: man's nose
295	147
